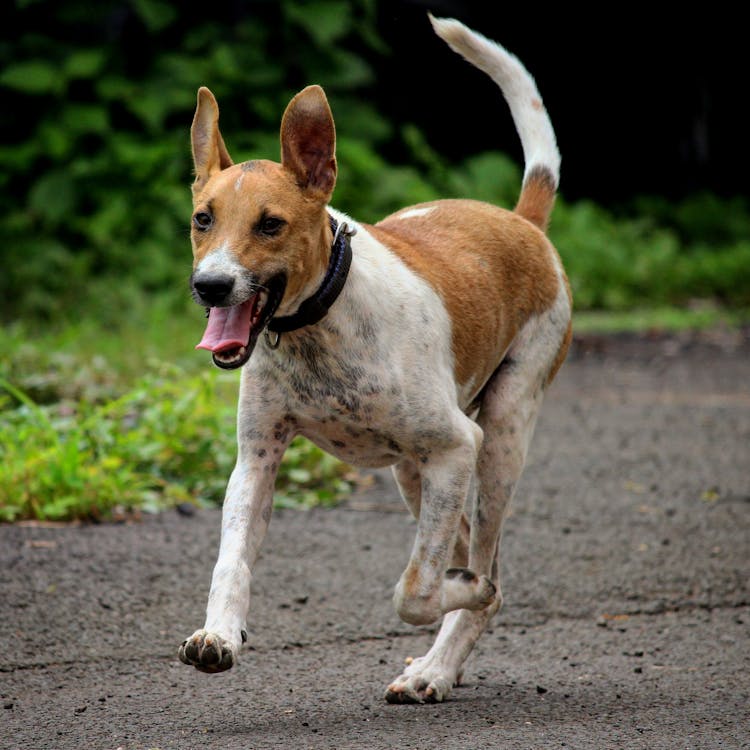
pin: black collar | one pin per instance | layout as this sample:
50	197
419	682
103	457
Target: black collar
315	308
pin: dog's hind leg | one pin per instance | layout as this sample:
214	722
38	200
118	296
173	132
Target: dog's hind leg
510	406
430	678
409	481
507	428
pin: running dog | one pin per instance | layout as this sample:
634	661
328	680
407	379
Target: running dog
424	342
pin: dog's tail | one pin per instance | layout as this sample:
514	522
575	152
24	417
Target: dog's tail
542	159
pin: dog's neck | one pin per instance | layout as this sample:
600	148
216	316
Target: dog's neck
315	307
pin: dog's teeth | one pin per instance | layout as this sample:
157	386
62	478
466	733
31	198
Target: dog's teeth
237	355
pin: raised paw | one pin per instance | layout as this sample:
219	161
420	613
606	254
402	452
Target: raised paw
461	588
207	652
464	589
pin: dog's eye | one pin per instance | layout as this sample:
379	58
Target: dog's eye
270	225
202	220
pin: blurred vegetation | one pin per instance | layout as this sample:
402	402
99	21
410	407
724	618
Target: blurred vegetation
94	171
169	440
95	163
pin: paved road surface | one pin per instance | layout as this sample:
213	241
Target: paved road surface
626	623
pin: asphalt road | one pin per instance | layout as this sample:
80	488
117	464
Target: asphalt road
626	621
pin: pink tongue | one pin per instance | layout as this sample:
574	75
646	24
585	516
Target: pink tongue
228	327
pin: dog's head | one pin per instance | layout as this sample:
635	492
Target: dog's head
260	230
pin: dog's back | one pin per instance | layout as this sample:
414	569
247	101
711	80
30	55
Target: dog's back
469	250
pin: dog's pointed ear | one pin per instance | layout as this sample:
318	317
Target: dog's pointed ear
308	142
209	152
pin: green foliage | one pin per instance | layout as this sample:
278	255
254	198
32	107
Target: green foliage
701	315
95	162
168	440
93	425
646	261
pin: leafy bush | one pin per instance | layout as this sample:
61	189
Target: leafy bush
169	440
95	166
95	160
96	136
646	261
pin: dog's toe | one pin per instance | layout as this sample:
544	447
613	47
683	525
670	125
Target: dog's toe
487	591
207	652
418	688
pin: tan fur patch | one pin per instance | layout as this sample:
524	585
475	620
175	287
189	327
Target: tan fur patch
492	269
537	197
301	248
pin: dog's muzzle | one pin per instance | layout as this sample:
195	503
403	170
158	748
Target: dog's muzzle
233	329
212	290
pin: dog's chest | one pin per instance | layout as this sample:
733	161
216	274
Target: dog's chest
353	402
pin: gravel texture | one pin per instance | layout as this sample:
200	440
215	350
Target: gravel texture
626	621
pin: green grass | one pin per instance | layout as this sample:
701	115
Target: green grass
667	319
94	426
169	439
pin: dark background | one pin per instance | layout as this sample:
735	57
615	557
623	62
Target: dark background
648	107
644	99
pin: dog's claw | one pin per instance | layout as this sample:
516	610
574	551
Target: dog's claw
416	689
206	652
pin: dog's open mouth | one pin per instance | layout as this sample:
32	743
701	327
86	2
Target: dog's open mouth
232	332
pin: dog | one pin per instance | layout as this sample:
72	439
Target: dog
424	342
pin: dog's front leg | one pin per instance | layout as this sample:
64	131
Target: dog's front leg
426	590
245	517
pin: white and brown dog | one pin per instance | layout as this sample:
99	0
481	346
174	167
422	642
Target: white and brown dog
425	342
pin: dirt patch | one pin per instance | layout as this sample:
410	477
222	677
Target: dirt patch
626	570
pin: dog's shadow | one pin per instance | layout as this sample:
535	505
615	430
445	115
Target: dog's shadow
482	713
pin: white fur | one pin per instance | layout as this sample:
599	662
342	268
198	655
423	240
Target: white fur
220	260
383	293
411	213
223	262
518	87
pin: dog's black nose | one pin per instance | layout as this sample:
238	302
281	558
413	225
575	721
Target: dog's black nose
213	289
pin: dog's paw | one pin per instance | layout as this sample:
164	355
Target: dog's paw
418	685
464	589
207	652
